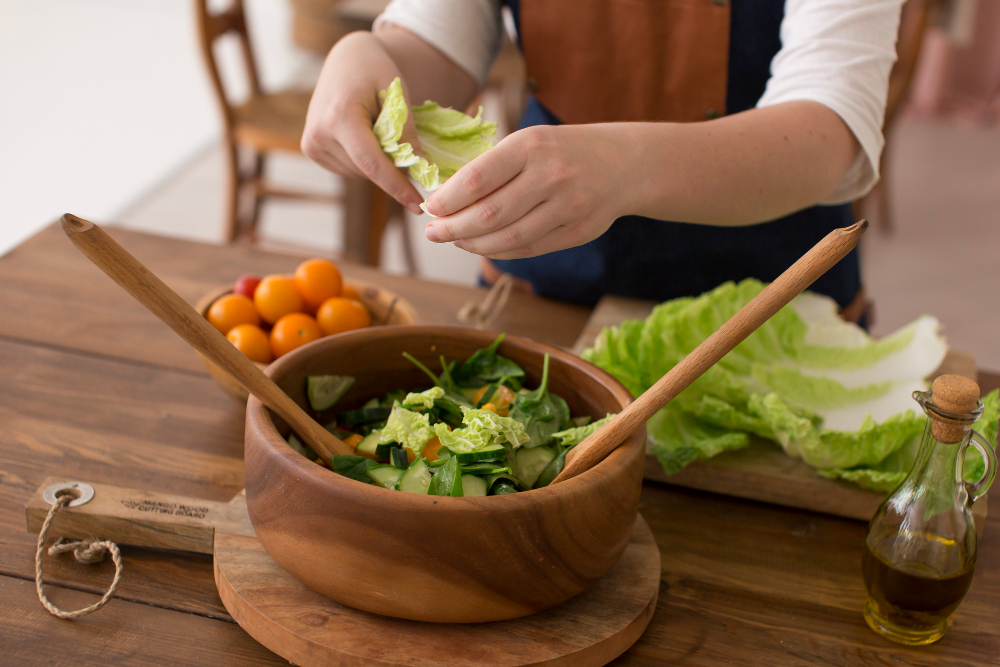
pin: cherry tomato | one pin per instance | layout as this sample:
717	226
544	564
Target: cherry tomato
246	284
276	296
317	280
337	315
349	292
229	310
501	400
251	341
292	331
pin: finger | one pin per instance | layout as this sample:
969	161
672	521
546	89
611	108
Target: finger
490	214
524	231
334	158
368	157
483	175
558	238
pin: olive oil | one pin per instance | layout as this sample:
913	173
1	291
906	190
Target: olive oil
909	602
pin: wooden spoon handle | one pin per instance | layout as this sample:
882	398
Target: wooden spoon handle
163	302
830	250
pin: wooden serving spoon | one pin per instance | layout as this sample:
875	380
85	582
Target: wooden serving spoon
163	302
830	250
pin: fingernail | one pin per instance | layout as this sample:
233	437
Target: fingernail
414	208
431	234
458	244
428	210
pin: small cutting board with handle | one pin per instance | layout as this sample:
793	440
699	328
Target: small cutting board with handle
306	628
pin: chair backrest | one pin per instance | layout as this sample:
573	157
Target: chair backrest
211	27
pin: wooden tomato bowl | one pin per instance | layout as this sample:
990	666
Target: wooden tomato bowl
385	308
435	558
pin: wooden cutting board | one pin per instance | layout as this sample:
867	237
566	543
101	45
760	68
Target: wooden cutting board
763	471
307	628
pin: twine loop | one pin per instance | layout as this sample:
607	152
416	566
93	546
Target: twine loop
85	552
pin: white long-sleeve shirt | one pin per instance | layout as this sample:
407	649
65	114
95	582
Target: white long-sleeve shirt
835	52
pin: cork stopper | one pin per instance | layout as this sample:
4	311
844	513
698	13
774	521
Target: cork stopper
953	393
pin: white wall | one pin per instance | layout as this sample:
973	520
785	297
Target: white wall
100	100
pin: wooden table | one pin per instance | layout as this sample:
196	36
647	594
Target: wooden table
94	388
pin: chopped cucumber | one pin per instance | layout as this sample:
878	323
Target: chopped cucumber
488	468
382	450
385	476
528	464
397	457
368	444
325	390
363	416
494	453
552	470
372	403
447	480
502	488
416	479
473	485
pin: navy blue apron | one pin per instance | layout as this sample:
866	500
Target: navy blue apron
652	259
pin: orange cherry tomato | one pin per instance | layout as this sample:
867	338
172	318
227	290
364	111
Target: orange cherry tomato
229	310
353	440
501	400
349	292
337	315
276	296
317	280
430	450
251	341
292	331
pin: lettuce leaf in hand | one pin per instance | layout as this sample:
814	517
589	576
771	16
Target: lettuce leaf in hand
449	139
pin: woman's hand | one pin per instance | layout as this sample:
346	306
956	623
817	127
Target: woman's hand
542	189
338	133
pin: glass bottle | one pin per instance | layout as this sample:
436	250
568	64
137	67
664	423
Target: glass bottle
921	544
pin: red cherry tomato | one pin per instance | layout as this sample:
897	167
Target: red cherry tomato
246	284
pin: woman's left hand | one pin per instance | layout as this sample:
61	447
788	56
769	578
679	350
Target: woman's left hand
542	189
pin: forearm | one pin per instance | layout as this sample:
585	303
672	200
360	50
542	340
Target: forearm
743	169
427	73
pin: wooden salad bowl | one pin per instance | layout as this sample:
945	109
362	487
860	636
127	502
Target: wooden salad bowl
435	558
385	308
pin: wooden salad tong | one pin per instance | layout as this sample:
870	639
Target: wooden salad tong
167	305
830	250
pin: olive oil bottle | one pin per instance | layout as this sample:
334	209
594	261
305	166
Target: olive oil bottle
920	552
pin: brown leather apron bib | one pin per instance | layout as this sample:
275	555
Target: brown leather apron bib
594	61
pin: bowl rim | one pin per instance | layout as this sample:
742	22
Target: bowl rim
258	416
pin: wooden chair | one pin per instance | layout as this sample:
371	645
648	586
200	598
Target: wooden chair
917	17
266	123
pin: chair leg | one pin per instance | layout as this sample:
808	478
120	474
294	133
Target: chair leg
399	213
381	209
235	185
253	218
357	208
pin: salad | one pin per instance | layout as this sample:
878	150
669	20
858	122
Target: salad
475	431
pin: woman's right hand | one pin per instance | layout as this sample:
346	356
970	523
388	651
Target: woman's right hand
338	133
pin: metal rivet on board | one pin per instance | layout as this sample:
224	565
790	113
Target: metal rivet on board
82	491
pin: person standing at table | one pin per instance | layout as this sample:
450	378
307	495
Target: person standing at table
747	124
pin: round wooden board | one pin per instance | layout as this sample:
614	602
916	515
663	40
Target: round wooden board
306	628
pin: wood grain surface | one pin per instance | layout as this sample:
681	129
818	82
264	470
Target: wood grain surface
763	471
309	629
95	387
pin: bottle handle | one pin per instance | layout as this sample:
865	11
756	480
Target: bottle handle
977	490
